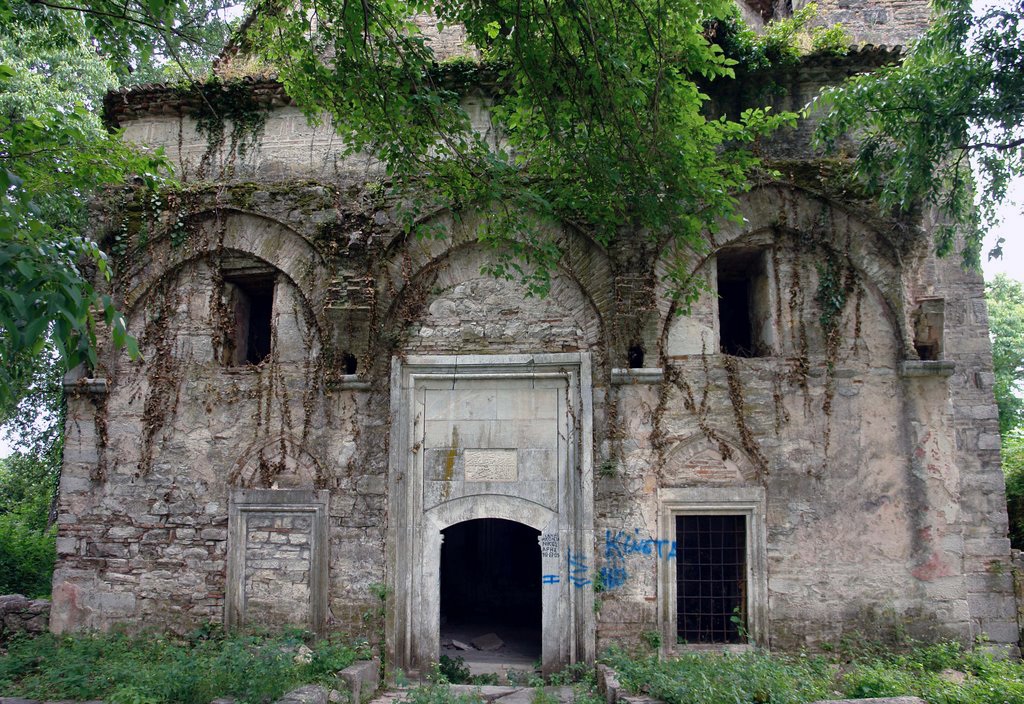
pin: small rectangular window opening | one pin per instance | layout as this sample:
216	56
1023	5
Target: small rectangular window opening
250	302
744	314
711	578
929	323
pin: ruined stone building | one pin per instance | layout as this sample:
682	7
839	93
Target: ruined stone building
338	426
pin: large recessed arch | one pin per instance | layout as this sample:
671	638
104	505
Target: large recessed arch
770	210
238	232
410	267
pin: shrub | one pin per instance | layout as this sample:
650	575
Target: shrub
724	679
27	549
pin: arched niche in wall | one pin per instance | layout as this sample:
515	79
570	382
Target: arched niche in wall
230	308
277	537
701	460
785	234
277	462
238	234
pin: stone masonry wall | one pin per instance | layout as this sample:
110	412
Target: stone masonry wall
277	568
20	615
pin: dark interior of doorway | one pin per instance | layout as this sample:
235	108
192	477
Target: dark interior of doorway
491	583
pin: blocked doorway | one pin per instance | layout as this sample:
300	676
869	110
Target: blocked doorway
491	593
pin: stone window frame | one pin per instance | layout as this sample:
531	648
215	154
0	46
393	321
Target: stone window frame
745	501
244	502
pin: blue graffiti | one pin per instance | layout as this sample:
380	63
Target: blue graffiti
578	569
549	579
621	544
613	577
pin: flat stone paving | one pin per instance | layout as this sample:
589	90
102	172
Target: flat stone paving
492	694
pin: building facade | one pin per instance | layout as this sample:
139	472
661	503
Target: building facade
340	426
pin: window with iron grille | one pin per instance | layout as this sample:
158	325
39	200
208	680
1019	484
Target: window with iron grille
711	578
713	591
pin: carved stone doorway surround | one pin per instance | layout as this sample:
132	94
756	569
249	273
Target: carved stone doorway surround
491	436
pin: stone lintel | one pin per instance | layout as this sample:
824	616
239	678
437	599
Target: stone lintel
916	368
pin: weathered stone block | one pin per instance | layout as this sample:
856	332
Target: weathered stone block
361	679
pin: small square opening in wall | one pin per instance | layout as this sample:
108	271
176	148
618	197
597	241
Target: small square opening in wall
250	303
929	324
744	310
711	578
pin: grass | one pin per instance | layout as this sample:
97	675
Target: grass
942	673
155	668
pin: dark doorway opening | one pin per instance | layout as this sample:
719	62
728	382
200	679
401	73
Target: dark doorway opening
491	584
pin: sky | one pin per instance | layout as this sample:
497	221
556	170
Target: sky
1012	261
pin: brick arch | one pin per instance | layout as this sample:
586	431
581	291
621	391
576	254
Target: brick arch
281	460
407	259
700	460
770	209
261	238
460	263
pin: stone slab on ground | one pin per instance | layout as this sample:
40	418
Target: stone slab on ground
639	699
307	694
488	692
488	642
525	695
874	700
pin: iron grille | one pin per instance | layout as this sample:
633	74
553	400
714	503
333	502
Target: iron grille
711	579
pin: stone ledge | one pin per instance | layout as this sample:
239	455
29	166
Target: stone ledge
351	382
649	375
86	385
917	368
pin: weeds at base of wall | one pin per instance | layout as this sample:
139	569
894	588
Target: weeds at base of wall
939	672
157	667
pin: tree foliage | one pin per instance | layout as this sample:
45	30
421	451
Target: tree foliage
600	115
1005	299
54	155
957	97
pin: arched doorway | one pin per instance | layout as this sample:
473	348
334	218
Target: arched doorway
479	437
491	593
